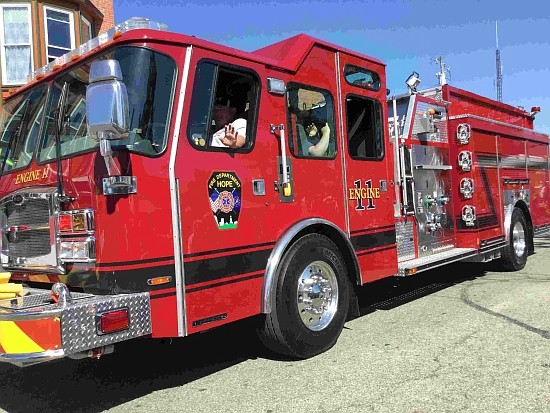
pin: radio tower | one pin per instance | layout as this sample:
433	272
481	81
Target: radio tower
499	69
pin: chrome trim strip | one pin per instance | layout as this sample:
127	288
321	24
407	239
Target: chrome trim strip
175	201
27	359
23	228
342	143
409	118
270	278
500	194
497	122
397	208
437	264
526	158
23	315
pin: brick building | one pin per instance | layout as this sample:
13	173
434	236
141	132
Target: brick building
34	32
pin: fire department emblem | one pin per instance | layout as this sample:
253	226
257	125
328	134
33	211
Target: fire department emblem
224	191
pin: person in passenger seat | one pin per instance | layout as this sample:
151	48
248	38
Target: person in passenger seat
312	142
230	133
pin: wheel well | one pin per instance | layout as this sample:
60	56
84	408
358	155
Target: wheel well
333	234
310	226
525	210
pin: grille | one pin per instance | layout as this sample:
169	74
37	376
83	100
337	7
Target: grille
29	243
32	212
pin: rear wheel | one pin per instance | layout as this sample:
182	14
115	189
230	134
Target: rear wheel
311	299
514	255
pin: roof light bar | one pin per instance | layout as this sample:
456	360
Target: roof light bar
133	23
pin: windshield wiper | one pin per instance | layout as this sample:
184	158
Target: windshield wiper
60	121
15	137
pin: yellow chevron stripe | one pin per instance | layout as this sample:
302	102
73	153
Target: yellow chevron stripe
14	341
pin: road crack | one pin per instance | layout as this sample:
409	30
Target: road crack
466	300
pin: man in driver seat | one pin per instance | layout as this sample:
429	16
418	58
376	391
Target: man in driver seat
230	134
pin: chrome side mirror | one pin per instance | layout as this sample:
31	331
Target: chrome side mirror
107	112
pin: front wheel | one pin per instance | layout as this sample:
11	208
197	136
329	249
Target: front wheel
514	255
311	299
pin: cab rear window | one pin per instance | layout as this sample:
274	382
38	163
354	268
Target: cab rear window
363	78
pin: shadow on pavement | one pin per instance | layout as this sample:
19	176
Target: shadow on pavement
393	292
139	368
136	369
542	243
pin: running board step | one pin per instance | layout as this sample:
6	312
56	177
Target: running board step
425	263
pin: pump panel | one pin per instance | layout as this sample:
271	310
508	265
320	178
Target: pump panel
432	192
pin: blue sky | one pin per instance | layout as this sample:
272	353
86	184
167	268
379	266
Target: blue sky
406	34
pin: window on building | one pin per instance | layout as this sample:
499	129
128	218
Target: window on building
16	51
86	32
312	133
365	128
223	108
59	32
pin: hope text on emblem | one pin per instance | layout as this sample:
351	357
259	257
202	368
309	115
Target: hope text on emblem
224	192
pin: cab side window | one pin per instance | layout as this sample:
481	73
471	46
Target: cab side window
223	108
365	128
363	78
312	132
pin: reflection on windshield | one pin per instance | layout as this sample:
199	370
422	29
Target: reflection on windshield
73	137
149	78
20	127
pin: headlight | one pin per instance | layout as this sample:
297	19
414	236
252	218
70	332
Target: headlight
77	250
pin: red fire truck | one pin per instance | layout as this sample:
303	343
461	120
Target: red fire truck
158	185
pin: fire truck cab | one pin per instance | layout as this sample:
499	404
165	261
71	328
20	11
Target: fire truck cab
155	184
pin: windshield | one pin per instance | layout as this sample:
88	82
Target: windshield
21	118
149	78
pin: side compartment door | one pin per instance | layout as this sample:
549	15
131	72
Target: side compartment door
368	167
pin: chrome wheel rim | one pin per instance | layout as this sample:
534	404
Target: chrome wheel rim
518	239
317	295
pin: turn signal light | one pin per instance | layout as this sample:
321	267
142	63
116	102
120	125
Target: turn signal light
159	280
65	223
75	221
113	321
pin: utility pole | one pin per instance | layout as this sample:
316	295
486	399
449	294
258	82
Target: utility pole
499	68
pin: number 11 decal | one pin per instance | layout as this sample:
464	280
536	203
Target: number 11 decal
359	194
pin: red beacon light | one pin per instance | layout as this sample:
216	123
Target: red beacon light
535	110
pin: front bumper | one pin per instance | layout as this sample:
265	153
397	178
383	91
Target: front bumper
33	329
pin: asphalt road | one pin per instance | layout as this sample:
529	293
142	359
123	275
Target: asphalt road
456	339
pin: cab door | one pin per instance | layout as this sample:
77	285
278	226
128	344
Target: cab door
368	170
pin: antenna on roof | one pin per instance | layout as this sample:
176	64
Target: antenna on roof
443	71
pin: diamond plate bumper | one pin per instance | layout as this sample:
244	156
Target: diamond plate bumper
35	330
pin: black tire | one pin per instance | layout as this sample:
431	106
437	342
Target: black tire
283	330
511	260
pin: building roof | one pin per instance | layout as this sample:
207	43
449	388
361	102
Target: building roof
90	6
